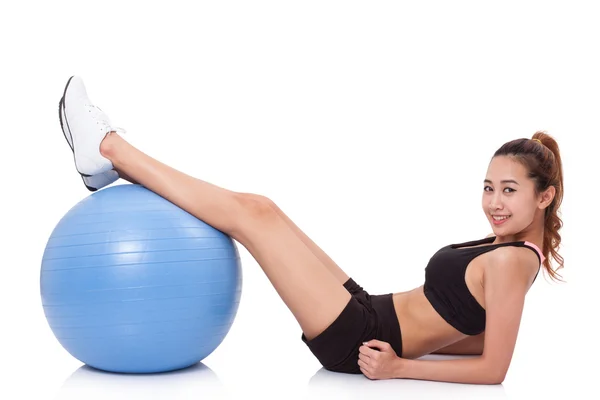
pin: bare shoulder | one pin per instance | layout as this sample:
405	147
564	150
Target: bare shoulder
519	263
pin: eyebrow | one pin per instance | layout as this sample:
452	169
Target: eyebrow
504	181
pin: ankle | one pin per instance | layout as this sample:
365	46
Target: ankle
109	144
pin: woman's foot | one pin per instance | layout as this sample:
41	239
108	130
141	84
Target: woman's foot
94	182
112	144
87	125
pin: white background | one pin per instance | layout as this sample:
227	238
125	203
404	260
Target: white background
370	123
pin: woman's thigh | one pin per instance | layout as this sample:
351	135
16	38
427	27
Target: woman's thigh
327	261
311	292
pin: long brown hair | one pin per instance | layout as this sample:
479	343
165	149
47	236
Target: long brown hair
544	165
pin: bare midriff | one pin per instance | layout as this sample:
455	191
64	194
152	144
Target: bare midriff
423	329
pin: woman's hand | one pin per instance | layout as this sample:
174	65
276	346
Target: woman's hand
378	364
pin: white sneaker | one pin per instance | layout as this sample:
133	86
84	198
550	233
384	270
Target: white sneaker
94	182
87	125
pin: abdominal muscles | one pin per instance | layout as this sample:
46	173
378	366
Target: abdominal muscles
423	329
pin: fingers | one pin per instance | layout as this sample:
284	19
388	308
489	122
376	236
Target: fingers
369	352
365	369
378	344
371	362
370	359
367	363
363	365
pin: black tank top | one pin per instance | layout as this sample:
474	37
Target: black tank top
446	289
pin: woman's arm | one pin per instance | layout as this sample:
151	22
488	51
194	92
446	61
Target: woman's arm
469	370
472	345
506	281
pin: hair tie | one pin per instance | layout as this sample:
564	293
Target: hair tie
537	140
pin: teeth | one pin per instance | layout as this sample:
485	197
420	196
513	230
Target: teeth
500	218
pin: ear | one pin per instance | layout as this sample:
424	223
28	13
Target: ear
546	197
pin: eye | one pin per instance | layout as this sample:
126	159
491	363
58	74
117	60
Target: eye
510	189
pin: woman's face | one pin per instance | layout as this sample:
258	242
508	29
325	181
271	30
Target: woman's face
509	195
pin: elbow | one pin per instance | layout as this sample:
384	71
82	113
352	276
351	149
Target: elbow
492	373
496	379
496	376
495	372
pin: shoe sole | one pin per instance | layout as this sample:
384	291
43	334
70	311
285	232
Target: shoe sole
67	123
61	104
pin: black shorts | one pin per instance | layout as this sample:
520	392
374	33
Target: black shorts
365	317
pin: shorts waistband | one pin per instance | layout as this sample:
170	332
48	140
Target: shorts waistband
389	327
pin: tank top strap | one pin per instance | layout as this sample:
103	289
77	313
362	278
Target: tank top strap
474	245
521	243
471	249
529	245
536	249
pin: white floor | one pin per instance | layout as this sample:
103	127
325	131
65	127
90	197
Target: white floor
203	382
271	381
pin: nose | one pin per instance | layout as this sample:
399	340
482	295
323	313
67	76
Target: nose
495	203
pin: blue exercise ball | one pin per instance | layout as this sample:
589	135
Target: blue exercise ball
132	283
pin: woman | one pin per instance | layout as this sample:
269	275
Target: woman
470	303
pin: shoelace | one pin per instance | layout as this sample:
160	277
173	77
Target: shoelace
101	120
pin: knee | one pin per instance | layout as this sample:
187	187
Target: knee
257	206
